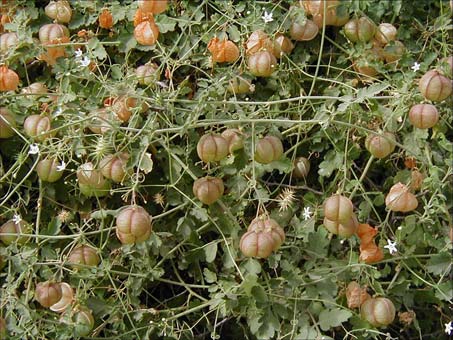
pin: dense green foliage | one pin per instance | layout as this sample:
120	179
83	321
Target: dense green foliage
188	279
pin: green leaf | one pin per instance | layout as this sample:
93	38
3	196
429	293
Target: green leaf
210	251
333	318
165	24
439	263
210	276
332	161
146	163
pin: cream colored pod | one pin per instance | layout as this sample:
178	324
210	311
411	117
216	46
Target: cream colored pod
133	225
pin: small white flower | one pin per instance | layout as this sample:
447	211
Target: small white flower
415	67
449	327
267	17
62	166
78	53
307	213
391	246
58	111
34	149
17	218
84	62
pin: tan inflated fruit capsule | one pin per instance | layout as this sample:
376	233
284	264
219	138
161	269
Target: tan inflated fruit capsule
268	149
305	32
361	29
401	199
240	85
91	181
16	230
83	321
301	167
8	41
338	208
343	229
147	74
67	297
146	33
282	45
47	170
48	293
133	225
385	33
380	146
234	139
83	255
38	127
105	19
208	189
378	311
394	51
423	116
114	166
259	41
53	34
434	86
212	148
268	225
9	80
59	10
355	295
262	63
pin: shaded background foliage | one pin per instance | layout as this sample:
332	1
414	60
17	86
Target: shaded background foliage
189	280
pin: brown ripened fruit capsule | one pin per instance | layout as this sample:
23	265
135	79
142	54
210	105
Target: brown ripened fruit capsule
47	293
223	51
106	19
268	149
212	148
308	31
83	255
393	51
268	225
133	225
385	33
259	41
343	229
379	312
338	208
59	10
262	63
9	80
360	29
152	6
434	86
208	189
256	244
38	127
114	166
401	199
301	167
380	146
146	33
282	45
423	116
355	295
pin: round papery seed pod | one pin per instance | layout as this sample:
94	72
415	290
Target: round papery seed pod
338	208
269	225
146	33
9	80
361	29
123	107
83	321
355	295
133	225
212	148
88	175
7	122
59	10
105	19
380	146
38	127
345	229
301	167
259	41
401	199
268	149
53	34
239	85
257	244
208	189
234	139
147	74
223	51
16	229
305	32
385	33
35	88
326	12
423	116
47	170
434	86
48	293
114	167
379	311
67	297
262	63
152	6
8	41
394	51
83	255
282	45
